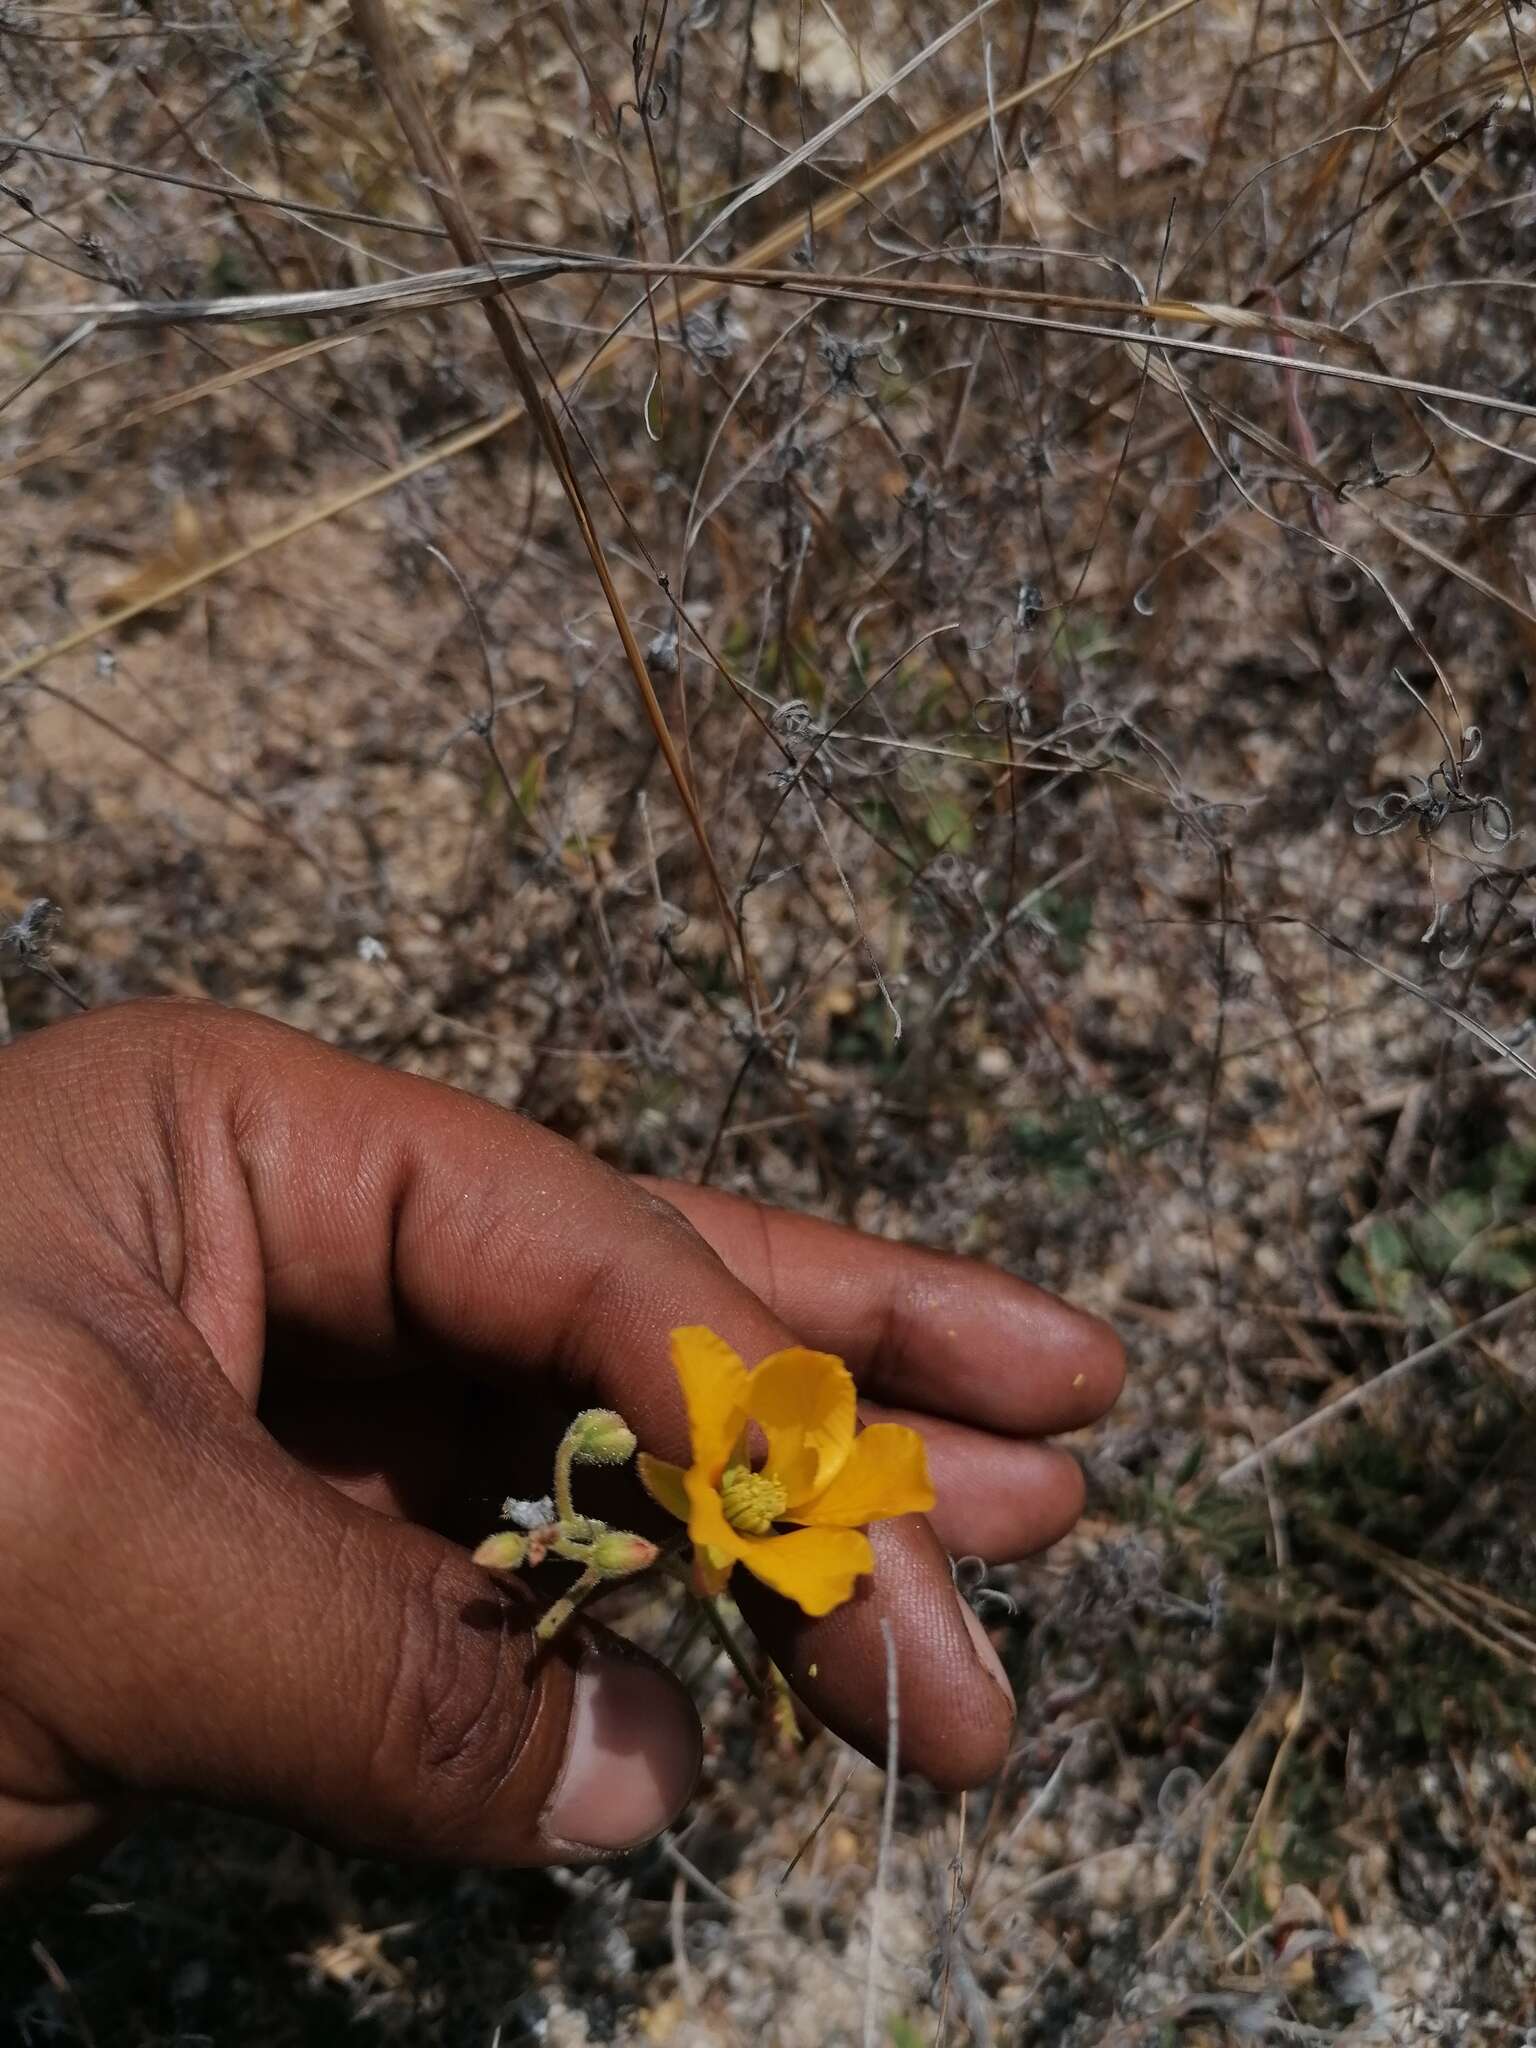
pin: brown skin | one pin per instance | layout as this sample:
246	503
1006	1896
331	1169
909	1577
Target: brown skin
276	1325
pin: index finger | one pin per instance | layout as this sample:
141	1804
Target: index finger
918	1328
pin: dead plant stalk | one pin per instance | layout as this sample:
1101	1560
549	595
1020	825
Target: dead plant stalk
376	28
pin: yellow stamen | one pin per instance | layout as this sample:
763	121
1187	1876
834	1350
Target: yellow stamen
752	1501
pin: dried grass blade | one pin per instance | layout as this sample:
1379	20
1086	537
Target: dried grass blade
824	215
376	27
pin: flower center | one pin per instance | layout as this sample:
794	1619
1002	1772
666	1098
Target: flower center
752	1501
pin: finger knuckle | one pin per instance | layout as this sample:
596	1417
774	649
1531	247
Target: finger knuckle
656	1257
451	1713
60	1412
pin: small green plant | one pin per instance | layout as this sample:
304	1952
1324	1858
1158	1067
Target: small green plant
948	824
1071	920
1482	1229
1067	1148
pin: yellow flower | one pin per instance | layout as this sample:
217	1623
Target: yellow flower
821	1473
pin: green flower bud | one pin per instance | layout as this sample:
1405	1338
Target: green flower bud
617	1553
598	1436
505	1552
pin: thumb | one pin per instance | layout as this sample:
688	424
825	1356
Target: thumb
250	1637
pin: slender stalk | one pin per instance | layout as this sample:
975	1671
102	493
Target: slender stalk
376	27
554	1618
565	1457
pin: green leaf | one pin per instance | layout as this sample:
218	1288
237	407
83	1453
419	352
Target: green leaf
530	784
949	824
1378	1273
1507	1261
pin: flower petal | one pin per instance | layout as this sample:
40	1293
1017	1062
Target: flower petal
714	1383
815	1568
806	1406
664	1483
711	1572
707	1527
886	1473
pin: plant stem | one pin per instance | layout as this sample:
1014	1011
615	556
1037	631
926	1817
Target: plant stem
554	1619
565	1507
713	1620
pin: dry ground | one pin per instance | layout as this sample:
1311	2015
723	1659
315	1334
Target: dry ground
1119	768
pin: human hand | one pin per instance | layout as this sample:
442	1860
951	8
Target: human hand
275	1324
